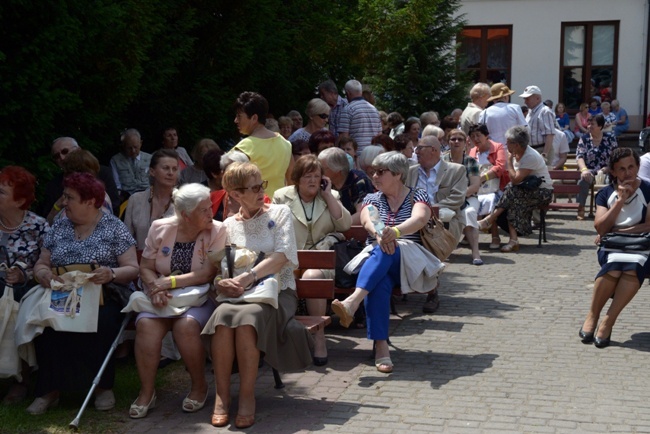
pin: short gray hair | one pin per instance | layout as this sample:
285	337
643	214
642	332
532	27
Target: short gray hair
233	156
432	130
130	132
519	135
394	161
368	154
353	86
479	90
329	86
69	140
336	159
188	197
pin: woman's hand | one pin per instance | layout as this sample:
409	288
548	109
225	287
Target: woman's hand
160	285
625	190
587	176
44	278
230	287
160	298
328	186
14	276
102	275
387	240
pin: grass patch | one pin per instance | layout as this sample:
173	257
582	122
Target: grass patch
16	420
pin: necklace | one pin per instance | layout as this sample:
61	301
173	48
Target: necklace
86	233
151	197
11	229
313	202
250	218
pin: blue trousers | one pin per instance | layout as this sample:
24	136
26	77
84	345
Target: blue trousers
379	275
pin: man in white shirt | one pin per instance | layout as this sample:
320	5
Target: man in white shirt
541	122
502	115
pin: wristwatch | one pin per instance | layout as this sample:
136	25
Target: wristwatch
112	275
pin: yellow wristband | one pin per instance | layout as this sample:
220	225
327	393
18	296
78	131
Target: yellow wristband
56	207
173	279
584	169
487	178
398	233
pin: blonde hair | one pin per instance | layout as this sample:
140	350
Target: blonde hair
316	106
237	174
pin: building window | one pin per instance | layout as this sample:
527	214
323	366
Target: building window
589	56
486	53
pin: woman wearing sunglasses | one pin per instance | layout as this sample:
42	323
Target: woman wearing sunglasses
243	331
318	113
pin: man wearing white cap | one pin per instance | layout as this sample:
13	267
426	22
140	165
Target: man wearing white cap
502	115
541	122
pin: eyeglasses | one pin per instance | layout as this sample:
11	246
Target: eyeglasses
323	116
380	172
255	188
62	153
456	139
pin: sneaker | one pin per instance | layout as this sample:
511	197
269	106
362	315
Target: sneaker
432	303
104	400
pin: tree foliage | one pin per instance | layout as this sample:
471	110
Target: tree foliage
90	68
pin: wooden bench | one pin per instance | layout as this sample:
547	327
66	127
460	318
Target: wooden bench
559	188
312	288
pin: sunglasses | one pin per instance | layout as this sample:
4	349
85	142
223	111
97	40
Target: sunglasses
62	153
380	172
323	116
456	139
255	188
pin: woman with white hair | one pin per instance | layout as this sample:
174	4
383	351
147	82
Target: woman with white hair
366	157
175	256
318	113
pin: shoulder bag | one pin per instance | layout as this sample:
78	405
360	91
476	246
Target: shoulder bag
626	242
435	238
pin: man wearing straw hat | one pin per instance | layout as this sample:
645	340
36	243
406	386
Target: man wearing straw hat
502	115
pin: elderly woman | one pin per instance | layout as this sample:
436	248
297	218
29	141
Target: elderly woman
316	213
592	155
412	127
170	141
86	235
321	140
519	201
367	156
175	256
405	145
457	140
21	233
490	154
562	119
244	331
318	112
403	211
156	201
285	124
195	172
610	118
267	150
620	207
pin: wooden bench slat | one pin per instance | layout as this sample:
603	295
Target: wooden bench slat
319	259
315	288
314	323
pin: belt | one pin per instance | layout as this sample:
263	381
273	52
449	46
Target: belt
538	146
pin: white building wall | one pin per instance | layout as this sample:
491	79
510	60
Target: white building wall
536	41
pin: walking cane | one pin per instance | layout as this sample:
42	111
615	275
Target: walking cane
75	423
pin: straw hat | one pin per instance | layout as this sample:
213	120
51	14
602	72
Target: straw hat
499	90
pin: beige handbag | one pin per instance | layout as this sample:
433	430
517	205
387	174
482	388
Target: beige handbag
435	238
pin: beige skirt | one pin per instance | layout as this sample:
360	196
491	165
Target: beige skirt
282	340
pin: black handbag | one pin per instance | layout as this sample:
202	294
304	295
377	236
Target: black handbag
345	251
626	242
531	182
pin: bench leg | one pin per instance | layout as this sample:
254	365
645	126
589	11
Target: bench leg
278	380
542	227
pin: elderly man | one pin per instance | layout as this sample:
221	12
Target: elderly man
131	166
479	95
60	149
622	121
429	118
541	122
338	106
363	121
352	185
501	115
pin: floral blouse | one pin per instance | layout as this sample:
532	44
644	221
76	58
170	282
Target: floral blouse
596	157
24	244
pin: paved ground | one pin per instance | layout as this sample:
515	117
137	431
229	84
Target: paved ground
502	354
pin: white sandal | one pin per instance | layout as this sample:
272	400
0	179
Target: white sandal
140	411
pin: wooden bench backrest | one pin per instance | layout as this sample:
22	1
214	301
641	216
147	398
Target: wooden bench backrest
561	188
316	259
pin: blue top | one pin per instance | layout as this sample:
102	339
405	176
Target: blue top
563	120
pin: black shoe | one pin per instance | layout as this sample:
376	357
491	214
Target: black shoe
320	361
432	303
602	343
587	338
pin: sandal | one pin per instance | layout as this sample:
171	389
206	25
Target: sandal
581	213
140	411
495	244
192	405
219	420
344	315
384	365
484	224
512	246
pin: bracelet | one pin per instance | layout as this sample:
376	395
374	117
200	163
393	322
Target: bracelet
398	233
56	207
584	169
173	279
487	178
254	276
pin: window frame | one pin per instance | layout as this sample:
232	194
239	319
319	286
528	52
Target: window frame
483	69
587	65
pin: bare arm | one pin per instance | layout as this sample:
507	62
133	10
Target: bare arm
474	185
155	284
235	287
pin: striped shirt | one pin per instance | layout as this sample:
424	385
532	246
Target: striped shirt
379	201
339	115
541	121
363	122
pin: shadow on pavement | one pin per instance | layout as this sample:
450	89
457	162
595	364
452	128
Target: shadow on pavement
638	341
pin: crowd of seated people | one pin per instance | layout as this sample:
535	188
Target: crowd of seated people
282	188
